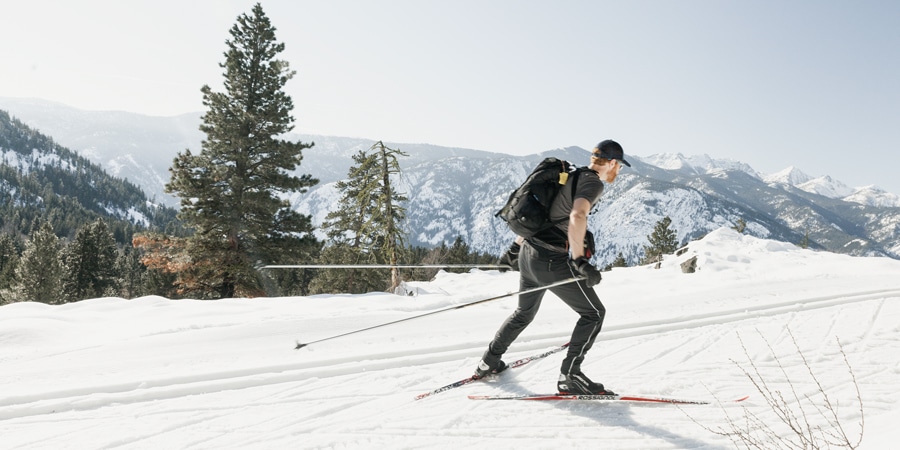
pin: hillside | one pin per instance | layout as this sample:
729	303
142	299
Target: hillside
455	192
42	179
157	373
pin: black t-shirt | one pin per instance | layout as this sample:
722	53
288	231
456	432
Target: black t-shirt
589	187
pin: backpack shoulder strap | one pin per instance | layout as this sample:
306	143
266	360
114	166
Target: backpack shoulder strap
575	175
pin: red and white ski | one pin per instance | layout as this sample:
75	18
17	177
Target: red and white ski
608	398
512	365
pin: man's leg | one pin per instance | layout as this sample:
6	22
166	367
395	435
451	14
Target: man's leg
524	313
584	301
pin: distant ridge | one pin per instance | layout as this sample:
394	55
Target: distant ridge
454	192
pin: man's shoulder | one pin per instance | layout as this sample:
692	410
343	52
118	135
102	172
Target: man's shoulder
588	175
589	184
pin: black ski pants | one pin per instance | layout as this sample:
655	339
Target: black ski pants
539	267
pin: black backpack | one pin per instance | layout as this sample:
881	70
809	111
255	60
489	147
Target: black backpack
527	211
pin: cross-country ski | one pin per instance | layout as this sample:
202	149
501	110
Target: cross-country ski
473	378
603	398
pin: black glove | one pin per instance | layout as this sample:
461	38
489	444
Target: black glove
511	257
582	266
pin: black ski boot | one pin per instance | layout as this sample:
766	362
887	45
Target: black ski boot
578	383
484	368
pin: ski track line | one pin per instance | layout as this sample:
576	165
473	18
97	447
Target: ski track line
93	397
96	396
172	427
867	335
738	314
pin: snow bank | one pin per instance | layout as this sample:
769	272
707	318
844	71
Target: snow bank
159	373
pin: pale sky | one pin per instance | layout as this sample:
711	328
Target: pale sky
813	84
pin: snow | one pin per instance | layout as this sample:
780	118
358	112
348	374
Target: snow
791	176
698	163
874	196
155	373
827	186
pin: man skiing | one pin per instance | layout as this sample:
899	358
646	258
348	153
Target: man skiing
556	254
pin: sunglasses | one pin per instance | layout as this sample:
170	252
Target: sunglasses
597	155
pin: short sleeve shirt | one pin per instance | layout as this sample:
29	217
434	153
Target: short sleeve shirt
588	187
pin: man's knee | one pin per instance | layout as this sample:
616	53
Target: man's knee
595	315
524	317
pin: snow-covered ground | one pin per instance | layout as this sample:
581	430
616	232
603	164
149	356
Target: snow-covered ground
160	374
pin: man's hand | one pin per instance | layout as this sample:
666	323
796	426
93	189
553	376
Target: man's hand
583	267
511	257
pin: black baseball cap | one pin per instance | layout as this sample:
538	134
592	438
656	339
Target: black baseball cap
610	149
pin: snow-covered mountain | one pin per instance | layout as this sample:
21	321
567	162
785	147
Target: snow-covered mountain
698	164
455	192
790	176
132	146
832	188
874	196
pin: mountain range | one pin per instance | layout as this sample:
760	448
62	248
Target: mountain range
455	192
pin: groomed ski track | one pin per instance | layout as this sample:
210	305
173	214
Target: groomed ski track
225	375
90	397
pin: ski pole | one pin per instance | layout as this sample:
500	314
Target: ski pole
385	266
510	294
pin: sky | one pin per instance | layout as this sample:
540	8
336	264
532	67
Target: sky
150	373
811	84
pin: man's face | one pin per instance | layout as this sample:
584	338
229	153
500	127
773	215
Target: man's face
613	171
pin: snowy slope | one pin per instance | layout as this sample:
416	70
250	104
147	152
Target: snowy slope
791	176
875	196
153	373
827	186
698	164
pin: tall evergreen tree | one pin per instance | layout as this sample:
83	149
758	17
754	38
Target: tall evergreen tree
233	194
386	222
9	260
459	253
367	229
346	244
663	241
131	272
39	272
89	263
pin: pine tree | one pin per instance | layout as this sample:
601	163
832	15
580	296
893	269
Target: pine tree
89	263
9	260
165	258
618	262
385	224
233	194
663	241
39	272
352	281
131	272
804	242
436	255
367	228
346	242
459	253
